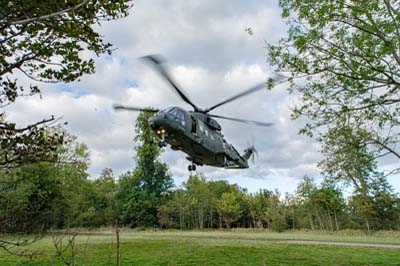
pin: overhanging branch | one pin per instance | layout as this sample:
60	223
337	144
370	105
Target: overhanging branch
25	21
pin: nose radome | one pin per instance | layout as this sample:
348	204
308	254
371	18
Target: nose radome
156	121
152	122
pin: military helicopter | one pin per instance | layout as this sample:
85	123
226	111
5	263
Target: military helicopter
196	132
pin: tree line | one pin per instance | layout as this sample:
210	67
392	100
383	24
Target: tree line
53	195
217	204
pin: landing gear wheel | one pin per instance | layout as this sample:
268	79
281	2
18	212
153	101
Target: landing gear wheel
162	144
192	167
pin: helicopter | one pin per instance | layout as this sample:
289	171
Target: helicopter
196	132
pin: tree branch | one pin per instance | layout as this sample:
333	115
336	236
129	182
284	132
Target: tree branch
25	21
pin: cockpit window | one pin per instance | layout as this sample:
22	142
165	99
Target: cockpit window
176	114
173	112
166	110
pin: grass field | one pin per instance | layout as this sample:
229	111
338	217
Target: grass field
242	247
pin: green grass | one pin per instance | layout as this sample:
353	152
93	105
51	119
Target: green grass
350	236
241	247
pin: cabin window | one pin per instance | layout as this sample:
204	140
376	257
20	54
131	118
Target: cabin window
201	128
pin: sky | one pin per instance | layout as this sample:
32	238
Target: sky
212	56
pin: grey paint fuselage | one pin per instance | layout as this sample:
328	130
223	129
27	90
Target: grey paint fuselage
197	135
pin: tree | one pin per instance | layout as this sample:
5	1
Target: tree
343	59
39	196
217	189
361	208
199	199
386	205
378	209
21	146
229	208
347	158
29	198
142	191
257	205
274	213
331	203
105	204
99	197
173	213
44	41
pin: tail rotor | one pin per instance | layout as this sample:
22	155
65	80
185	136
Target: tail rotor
251	152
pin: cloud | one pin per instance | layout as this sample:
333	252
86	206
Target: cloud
212	57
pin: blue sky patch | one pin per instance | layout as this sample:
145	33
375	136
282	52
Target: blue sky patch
76	92
132	83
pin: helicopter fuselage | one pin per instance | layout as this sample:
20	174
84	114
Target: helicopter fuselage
199	136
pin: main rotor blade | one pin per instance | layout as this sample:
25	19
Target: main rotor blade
133	108
156	62
263	124
242	94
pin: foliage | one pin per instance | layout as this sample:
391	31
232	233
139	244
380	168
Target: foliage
45	41
30	198
378	209
229	208
324	205
347	158
31	144
98	199
142	191
213	204
343	59
43	195
198	197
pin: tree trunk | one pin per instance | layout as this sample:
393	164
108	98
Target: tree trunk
330	221
311	222
118	246
321	225
336	222
201	218
293	219
211	224
228	224
180	219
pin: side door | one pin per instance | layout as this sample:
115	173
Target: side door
206	135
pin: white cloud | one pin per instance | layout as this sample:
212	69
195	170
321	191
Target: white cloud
212	57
